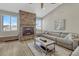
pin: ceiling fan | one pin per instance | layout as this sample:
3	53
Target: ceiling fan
42	5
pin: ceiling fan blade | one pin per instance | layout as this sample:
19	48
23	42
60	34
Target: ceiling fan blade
42	5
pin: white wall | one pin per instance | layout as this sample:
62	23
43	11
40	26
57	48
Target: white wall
69	12
10	33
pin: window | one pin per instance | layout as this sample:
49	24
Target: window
13	23
9	23
38	24
6	23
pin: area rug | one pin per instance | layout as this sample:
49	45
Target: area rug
59	51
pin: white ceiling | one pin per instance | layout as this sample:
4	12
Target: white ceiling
34	7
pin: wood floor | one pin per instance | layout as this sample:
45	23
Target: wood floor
20	48
15	48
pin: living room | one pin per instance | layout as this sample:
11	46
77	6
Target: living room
36	29
59	25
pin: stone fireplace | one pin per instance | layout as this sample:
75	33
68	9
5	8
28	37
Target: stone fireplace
27	25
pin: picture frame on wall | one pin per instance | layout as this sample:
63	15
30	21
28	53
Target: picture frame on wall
60	24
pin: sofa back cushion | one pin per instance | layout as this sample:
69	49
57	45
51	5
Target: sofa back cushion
58	34
63	35
74	35
54	34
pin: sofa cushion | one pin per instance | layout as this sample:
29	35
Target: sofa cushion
74	35
68	39
64	41
54	33
63	35
49	36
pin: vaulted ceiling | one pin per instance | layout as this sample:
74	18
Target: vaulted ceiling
30	7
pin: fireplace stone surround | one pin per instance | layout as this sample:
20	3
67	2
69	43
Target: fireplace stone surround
27	25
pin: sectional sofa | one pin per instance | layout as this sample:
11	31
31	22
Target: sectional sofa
63	39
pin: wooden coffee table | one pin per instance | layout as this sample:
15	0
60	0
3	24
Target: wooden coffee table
45	45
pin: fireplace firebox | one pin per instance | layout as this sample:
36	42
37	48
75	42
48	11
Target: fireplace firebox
28	31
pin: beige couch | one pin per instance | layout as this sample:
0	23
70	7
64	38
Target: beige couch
63	39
